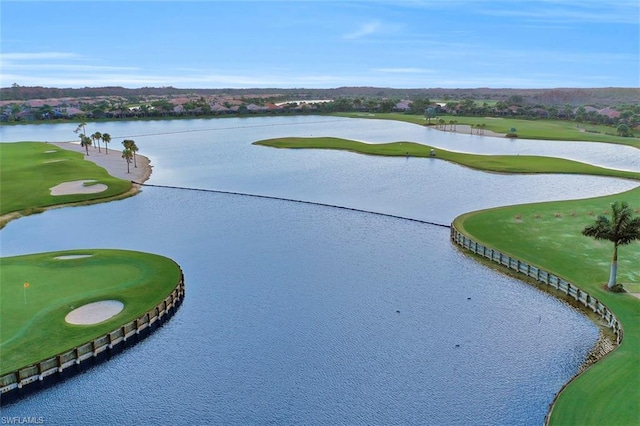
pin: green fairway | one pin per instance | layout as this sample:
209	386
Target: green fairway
549	235
33	323
494	163
559	130
29	169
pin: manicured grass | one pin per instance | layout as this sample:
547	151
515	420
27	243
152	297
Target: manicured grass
29	169
494	163
33	326
549	235
559	130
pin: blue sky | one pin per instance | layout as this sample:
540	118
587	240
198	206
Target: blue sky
321	44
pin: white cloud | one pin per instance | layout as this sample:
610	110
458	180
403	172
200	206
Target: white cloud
364	30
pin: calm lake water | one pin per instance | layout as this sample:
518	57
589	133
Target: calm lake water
304	314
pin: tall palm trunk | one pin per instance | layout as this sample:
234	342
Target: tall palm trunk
614	267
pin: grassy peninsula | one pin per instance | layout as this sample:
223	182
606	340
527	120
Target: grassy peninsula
492	163
28	170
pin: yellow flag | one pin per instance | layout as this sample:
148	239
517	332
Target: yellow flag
26	285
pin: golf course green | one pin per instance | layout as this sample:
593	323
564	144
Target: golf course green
549	235
28	171
39	290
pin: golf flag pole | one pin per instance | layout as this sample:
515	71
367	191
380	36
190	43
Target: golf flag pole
26	286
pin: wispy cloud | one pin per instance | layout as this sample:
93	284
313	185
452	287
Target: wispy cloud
37	56
364	30
567	12
65	67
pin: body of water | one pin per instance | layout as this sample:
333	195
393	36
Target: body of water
304	314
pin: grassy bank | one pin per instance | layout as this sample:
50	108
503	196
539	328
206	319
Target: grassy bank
559	130
29	169
33	323
549	235
493	163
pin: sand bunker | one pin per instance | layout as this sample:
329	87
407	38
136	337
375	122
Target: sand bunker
72	256
94	313
77	187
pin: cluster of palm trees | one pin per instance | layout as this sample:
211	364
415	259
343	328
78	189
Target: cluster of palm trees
480	127
442	124
128	153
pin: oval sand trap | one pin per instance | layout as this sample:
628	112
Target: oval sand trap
72	256
94	313
78	187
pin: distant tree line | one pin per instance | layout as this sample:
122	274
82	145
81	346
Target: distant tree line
624	117
558	96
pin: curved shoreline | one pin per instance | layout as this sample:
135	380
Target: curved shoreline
112	163
557	287
14	384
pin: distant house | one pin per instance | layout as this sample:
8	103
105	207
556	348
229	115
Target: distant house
255	108
220	109
539	112
609	112
60	111
402	106
274	108
179	101
36	103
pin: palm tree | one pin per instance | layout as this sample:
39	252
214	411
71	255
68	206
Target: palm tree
621	230
127	154
96	137
85	141
106	137
131	145
81	126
